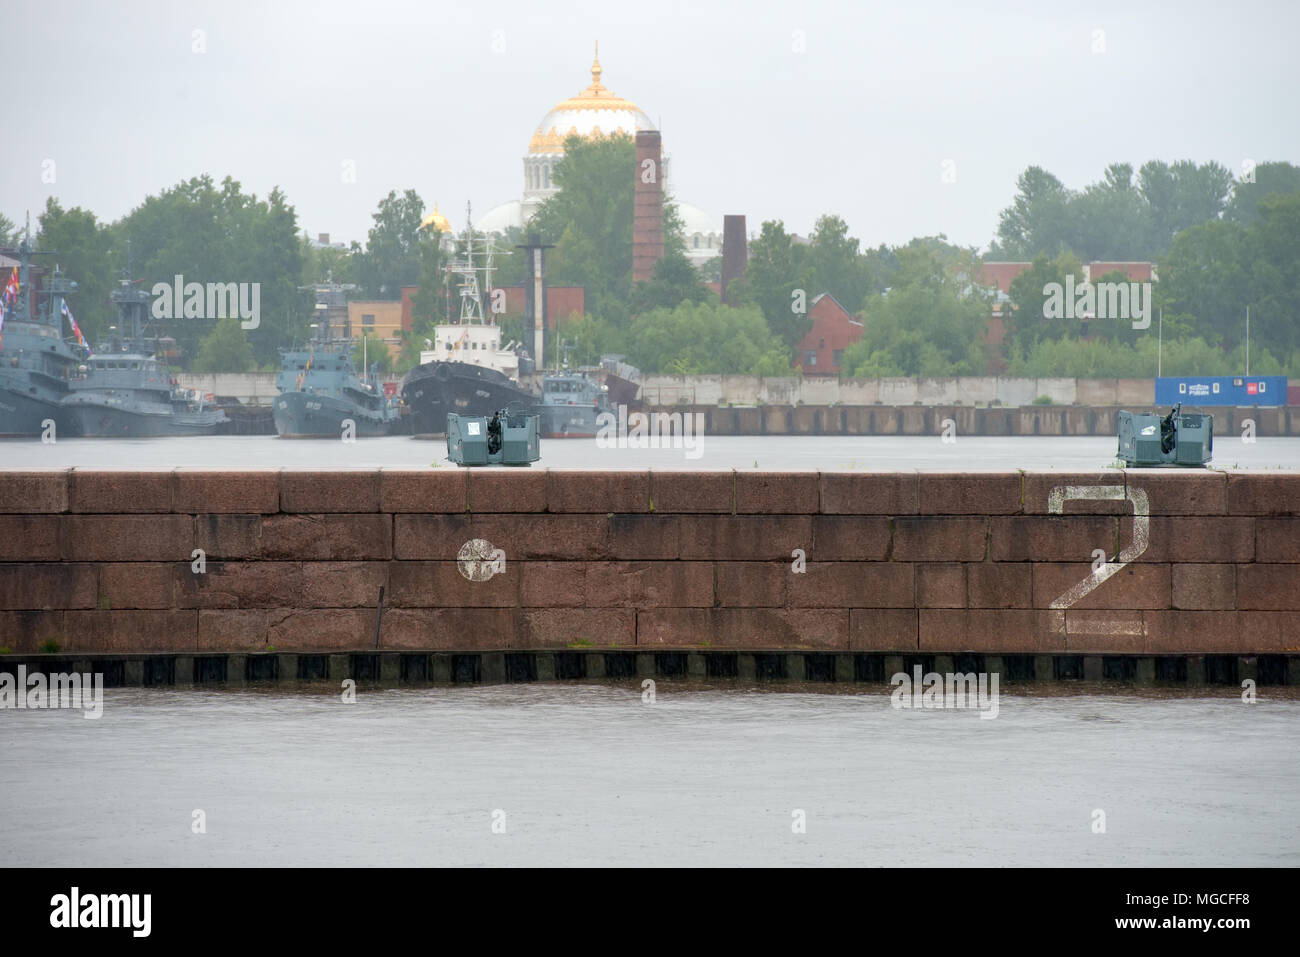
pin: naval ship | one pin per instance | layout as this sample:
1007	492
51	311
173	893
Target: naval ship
466	369
319	386
571	404
36	362
123	391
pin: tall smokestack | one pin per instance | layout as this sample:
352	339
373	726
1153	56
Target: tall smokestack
735	251
647	206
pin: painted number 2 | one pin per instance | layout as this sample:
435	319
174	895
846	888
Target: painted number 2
1056	500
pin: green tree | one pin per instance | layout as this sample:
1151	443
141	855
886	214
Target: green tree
1118	218
1180	195
1027	321
674	281
329	263
1269	178
705	338
10	232
371	349
780	282
210	234
1205	282
392	258
837	266
80	246
1037	220
590	222
929	323
1273	253
225	349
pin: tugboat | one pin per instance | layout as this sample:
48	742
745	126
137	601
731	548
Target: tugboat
467	370
571	403
319	387
123	391
36	362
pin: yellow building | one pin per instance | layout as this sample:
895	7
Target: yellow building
381	319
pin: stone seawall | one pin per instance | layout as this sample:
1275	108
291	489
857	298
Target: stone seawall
1136	562
965	420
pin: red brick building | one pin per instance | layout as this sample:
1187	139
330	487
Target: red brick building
1001	274
821	351
562	302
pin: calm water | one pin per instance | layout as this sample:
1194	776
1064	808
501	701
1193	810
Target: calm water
591	775
780	453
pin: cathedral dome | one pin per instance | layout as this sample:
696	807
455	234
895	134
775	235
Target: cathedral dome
436	221
593	114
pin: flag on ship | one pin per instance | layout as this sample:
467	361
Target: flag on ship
76	329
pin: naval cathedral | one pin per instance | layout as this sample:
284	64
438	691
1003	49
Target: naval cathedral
594	113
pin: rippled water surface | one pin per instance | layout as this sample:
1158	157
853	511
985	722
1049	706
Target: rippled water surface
779	453
591	774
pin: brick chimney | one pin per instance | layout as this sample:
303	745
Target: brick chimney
647	206
735	251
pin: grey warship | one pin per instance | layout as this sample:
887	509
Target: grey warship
571	405
36	362
123	391
319	387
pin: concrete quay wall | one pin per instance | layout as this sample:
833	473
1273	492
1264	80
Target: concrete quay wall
833	390
1112	563
965	420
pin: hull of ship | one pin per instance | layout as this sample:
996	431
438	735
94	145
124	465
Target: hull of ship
95	420
433	390
568	421
306	415
24	414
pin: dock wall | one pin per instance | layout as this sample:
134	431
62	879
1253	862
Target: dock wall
192	562
1050	420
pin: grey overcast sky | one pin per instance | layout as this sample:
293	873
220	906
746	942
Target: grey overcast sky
770	108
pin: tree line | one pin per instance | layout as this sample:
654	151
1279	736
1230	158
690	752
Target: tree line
1220	243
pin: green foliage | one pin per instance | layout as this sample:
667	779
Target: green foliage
590	222
1270	178
928	324
392	257
589	337
226	349
369	348
1026	322
776	269
82	248
1214	271
211	234
50	647
329	263
1117	219
431	303
705	338
10	232
1096	359
674	281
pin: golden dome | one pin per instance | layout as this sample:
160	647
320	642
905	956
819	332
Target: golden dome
594	113
436	220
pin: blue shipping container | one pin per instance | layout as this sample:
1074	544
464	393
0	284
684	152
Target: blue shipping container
1221	390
